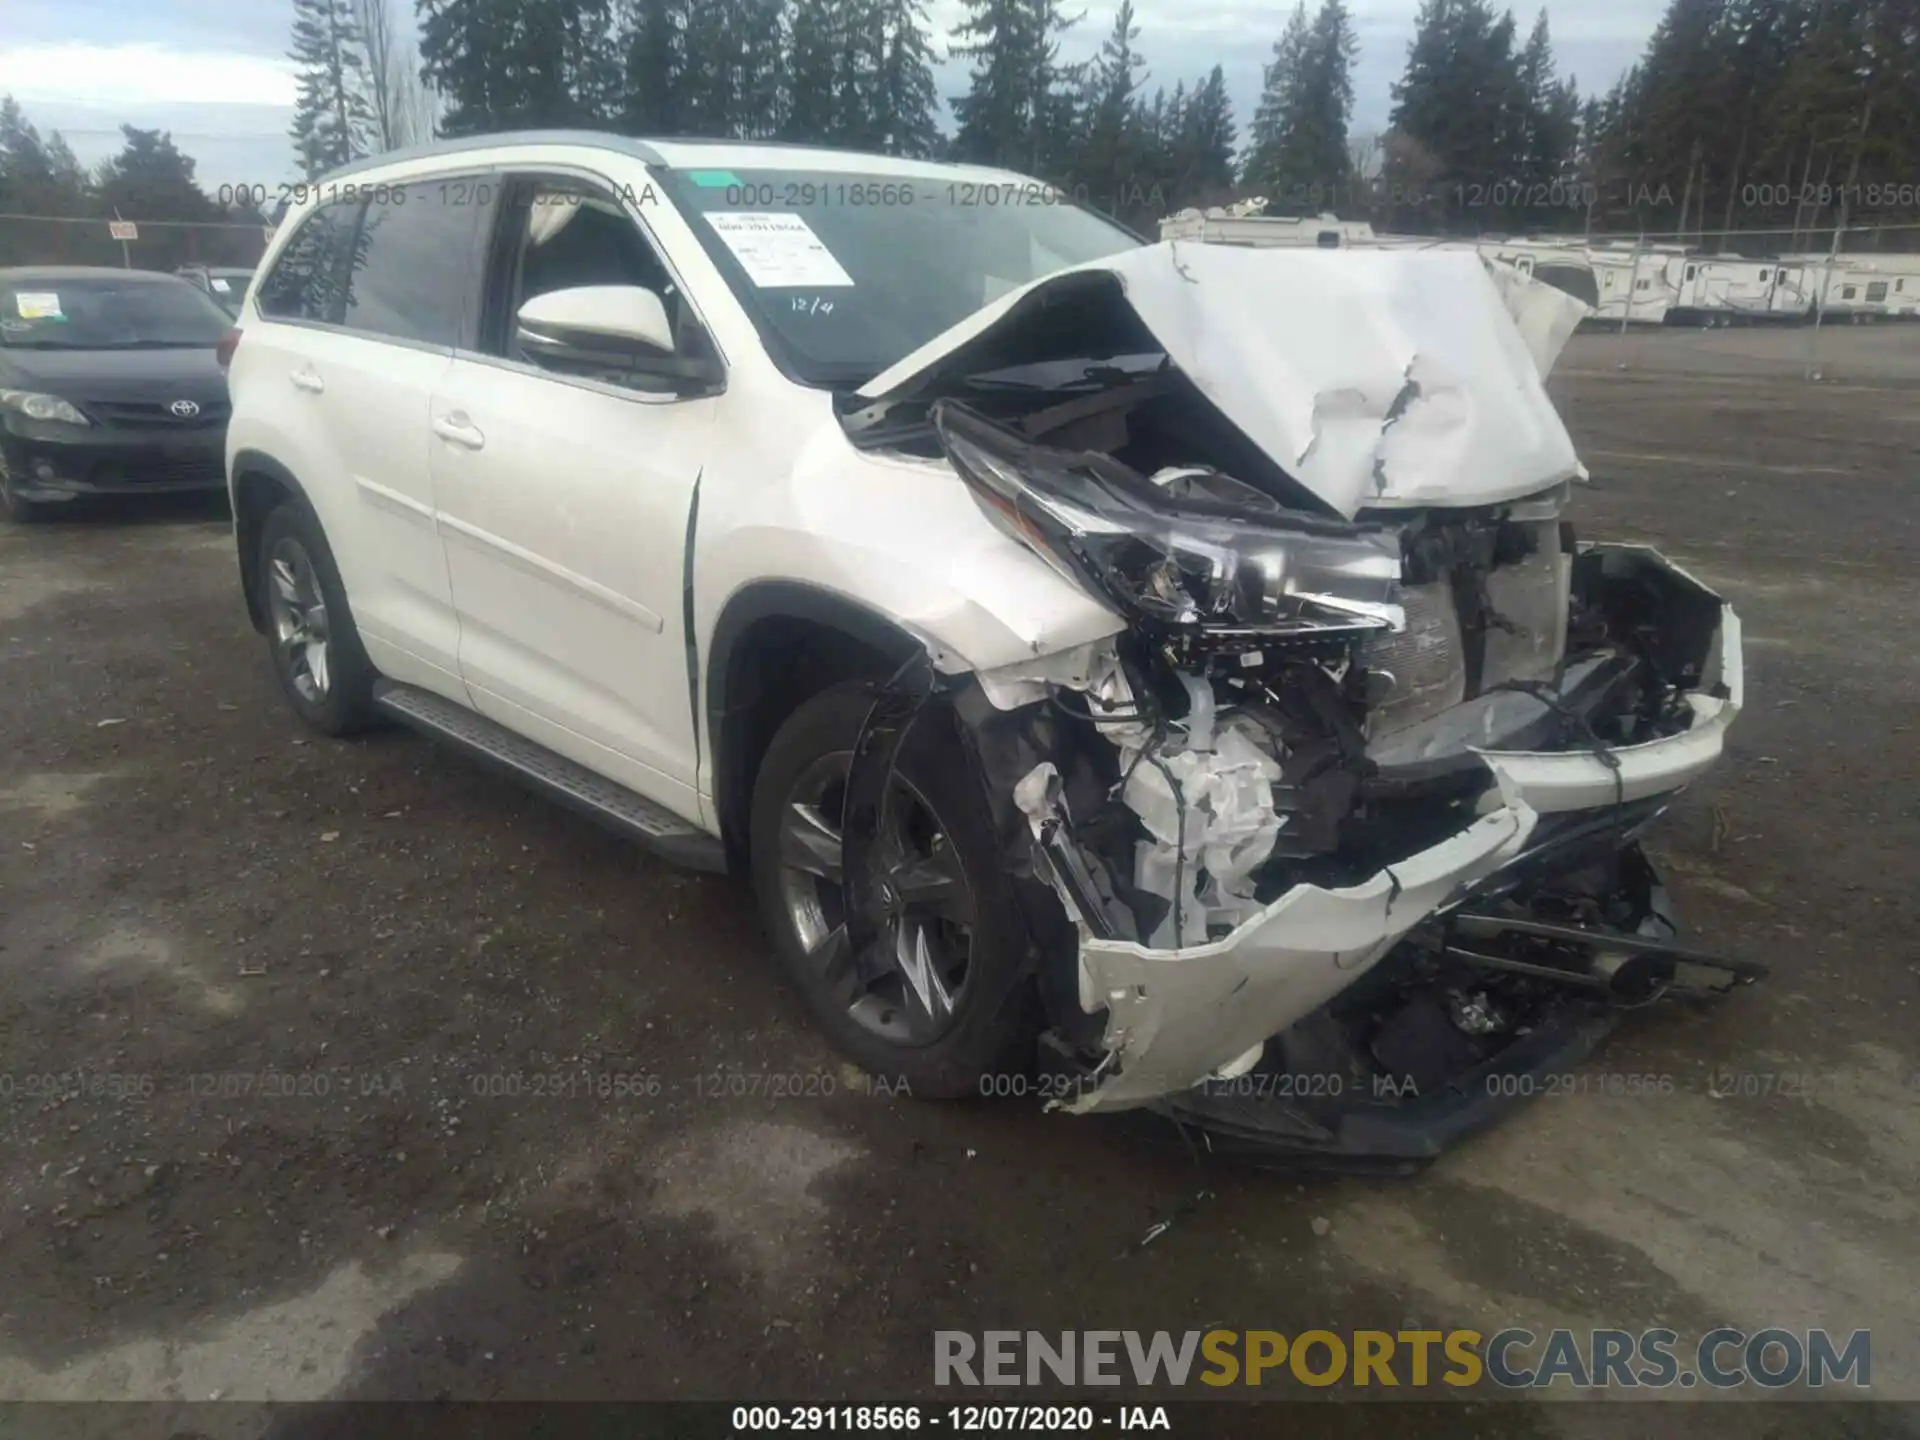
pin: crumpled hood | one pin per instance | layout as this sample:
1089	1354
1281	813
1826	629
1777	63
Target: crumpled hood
1376	379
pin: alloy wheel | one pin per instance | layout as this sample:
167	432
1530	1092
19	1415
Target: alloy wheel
299	613
908	986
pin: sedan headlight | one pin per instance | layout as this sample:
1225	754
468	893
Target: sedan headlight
1183	565
42	407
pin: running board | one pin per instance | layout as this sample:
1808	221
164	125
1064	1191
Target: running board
554	776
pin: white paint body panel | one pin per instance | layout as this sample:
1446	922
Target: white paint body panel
565	535
1176	1016
1376	378
359	444
1576	780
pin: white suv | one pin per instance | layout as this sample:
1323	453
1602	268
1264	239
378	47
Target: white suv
1095	651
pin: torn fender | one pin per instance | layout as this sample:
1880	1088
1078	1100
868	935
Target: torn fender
1174	1017
1375	379
1555	781
1545	315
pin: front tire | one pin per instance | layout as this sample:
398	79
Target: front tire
942	1001
317	654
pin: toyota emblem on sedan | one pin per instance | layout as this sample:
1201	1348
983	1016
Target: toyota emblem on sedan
185	409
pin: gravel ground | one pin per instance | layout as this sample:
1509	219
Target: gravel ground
308	988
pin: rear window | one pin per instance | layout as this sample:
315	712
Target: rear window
107	312
308	280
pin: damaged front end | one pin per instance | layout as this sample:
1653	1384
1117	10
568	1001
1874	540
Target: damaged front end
1344	825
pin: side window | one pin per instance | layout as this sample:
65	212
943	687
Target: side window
306	280
559	234
1876	292
411	275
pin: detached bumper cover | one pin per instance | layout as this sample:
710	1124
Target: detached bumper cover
1177	1016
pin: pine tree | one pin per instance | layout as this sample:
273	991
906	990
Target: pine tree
655	67
1457	118
516	64
151	180
1547	133
332	121
69	176
1018	109
1299	158
24	164
1205	175
817	39
905	98
1270	162
1111	152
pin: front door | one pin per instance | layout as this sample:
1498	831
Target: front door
564	501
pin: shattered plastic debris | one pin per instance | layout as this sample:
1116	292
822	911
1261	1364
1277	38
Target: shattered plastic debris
1207	811
1475	1013
1082	883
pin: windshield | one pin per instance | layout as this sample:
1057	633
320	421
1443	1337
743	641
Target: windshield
107	314
845	273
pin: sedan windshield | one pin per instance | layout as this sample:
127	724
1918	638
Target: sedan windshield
107	314
846	273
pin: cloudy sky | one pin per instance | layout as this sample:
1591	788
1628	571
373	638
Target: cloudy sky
214	71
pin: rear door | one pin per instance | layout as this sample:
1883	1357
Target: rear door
363	338
565	500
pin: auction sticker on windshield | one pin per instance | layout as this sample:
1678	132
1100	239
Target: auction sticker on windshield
777	250
38	304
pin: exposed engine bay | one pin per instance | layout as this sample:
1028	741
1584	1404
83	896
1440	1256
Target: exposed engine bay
1345	818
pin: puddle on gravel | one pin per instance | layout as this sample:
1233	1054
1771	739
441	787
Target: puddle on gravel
754	1182
126	952
298	1349
51	794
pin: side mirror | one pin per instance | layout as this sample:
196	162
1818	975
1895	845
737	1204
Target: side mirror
619	330
595	324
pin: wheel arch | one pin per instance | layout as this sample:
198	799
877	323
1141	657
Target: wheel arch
260	484
777	644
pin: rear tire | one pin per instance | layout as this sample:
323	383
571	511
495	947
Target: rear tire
992	1011
317	654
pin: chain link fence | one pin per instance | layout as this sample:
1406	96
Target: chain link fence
155	244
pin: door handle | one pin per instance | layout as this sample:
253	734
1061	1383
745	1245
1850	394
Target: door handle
308	379
456	429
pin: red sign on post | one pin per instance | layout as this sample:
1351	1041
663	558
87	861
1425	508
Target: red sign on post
124	229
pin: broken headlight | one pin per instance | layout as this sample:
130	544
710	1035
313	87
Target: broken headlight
1185	564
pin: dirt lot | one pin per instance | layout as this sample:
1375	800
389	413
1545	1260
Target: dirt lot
295	978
